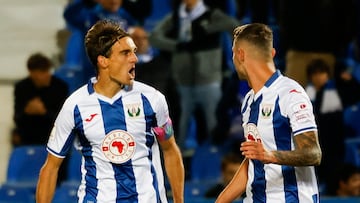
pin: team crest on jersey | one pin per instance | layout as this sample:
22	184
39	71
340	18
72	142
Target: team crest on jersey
133	110
251	132
118	146
266	110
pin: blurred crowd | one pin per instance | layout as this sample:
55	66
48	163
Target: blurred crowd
186	54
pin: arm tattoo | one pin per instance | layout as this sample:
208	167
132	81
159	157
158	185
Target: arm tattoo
307	151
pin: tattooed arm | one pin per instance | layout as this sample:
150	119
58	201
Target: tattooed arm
307	151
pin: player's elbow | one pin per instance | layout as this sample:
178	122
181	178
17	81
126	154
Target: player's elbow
317	155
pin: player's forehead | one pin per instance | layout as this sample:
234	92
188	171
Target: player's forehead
124	43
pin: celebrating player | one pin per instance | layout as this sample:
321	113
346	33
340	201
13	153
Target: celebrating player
118	124
281	146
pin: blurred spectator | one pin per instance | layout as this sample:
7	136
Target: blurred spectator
345	181
192	33
328	110
347	85
314	30
80	15
357	37
229	119
38	99
139	9
153	68
258	11
229	165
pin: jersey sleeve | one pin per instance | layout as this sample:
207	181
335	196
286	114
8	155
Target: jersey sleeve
299	110
162	111
62	136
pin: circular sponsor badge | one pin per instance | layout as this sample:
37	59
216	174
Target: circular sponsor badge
118	146
252	133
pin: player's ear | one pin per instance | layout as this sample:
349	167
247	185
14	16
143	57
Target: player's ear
102	61
241	54
273	52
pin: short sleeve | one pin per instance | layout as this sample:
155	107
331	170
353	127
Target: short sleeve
300	112
162	111
60	140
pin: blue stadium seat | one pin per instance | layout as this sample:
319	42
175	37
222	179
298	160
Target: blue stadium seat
356	71
71	70
352	119
66	193
160	9
340	200
14	194
322	200
196	189
352	151
206	163
74	166
24	165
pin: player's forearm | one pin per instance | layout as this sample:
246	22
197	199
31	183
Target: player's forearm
237	185
46	186
175	172
307	151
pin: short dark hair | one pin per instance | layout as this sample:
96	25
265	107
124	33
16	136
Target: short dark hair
317	66
257	34
101	37
38	61
342	173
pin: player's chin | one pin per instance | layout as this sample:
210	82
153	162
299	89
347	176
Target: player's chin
131	81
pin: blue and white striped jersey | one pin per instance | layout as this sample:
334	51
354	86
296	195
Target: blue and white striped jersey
121	156
278	112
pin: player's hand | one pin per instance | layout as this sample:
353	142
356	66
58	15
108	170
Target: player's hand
255	150
35	107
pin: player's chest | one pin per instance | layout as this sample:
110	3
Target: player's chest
99	121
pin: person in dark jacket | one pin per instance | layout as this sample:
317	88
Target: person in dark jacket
192	34
38	99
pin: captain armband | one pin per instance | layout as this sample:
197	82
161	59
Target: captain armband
164	132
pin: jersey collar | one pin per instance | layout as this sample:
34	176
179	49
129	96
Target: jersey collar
271	80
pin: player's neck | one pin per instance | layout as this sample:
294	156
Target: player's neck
259	77
107	89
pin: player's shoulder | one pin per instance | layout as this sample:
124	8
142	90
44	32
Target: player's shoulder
152	94
144	88
286	87
22	83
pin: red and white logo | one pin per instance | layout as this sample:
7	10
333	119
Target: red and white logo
294	91
91	117
251	132
118	146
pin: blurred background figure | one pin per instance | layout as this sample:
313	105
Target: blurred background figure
192	34
79	16
153	68
330	96
328	110
230	163
38	99
307	32
345	182
139	9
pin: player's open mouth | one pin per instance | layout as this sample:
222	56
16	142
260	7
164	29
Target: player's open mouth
132	73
